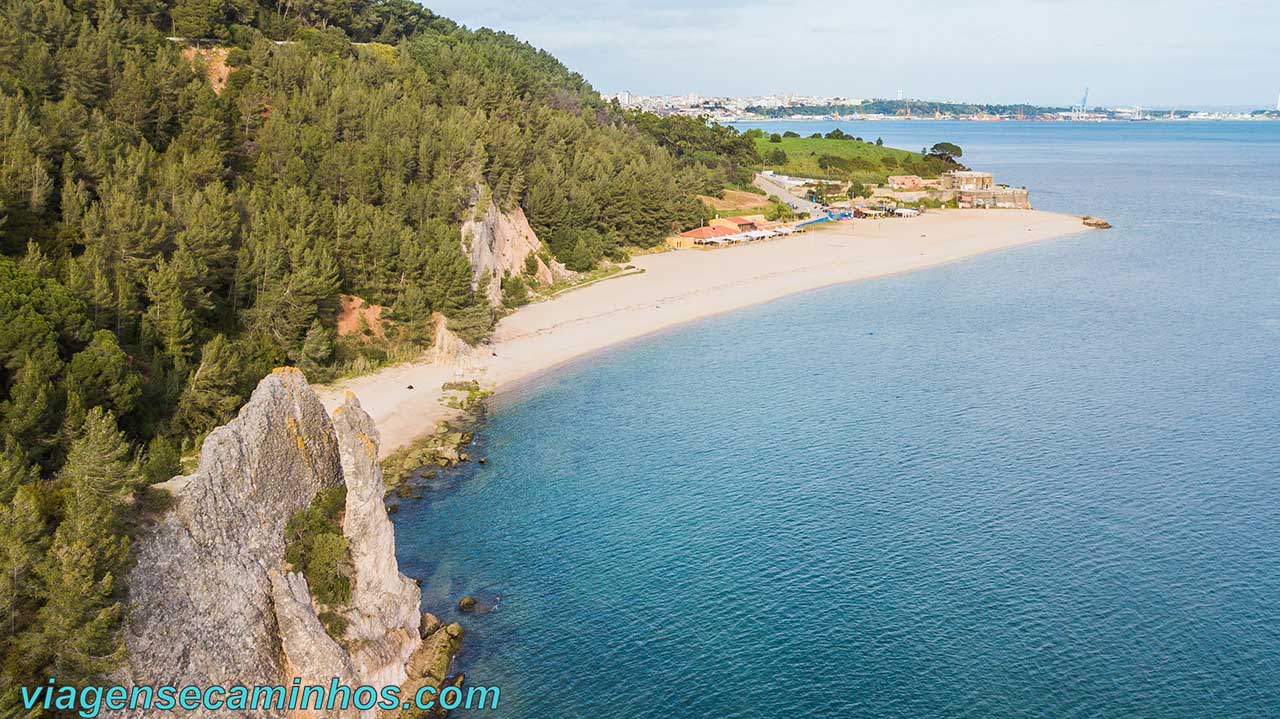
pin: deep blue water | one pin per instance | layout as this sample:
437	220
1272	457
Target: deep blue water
1039	483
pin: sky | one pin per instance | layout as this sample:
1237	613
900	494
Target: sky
1149	52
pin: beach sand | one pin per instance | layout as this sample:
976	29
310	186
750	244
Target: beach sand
678	287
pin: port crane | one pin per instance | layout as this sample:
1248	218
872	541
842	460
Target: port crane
1078	112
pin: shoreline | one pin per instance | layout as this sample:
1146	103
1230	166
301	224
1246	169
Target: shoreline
678	287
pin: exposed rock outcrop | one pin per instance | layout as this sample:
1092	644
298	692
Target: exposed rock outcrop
497	242
202	608
1096	223
383	613
448	349
212	600
308	652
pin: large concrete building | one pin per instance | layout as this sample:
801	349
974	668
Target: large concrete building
979	189
967	180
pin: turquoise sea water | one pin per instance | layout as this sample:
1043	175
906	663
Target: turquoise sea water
1039	483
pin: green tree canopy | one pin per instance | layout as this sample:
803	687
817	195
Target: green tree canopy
946	150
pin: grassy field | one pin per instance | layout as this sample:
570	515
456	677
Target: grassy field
854	160
736	202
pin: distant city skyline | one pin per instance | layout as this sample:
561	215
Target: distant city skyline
1044	52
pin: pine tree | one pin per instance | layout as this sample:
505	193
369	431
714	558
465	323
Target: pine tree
22	544
84	75
15	471
211	393
36	262
195	18
167	324
30	413
449	280
74	634
299	286
208	237
97	477
101	376
317	348
74	637
163	461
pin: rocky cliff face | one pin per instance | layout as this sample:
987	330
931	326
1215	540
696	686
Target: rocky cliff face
383	615
449	350
212	601
498	242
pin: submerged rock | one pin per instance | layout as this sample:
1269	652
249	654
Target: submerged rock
467	605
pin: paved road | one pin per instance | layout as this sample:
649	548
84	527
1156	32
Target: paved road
797	203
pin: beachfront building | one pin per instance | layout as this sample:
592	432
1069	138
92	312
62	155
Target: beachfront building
905	182
698	236
979	189
1002	196
748	223
728	232
967	180
784	180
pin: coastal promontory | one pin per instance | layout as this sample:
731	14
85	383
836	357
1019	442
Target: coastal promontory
214	598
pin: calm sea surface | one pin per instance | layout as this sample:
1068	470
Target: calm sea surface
1039	483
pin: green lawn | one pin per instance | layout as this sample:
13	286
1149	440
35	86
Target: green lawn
862	161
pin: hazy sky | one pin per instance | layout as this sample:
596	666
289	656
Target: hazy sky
1041	51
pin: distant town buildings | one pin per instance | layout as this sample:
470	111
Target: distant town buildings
794	106
723	109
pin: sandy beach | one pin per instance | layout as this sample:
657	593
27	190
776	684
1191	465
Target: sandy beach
678	287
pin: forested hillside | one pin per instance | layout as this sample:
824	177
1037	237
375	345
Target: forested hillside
163	244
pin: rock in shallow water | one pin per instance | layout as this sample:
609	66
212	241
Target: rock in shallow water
428	625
